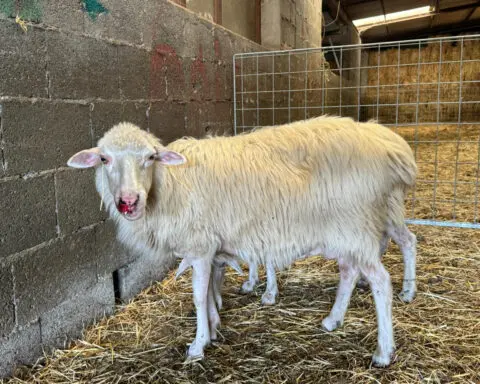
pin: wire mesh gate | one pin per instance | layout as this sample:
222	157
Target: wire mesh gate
427	90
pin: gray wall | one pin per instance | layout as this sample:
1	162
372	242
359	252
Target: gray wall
63	83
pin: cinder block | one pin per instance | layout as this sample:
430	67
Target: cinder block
142	273
167	121
106	114
168	73
78	200
43	135
111	255
22	61
65	14
134	70
199	80
223	47
123	20
209	118
68	320
7	309
50	275
21	347
28	213
82	67
197	41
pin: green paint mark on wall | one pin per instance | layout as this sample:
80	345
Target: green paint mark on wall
93	8
30	10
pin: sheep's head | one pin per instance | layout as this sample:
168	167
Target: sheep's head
128	155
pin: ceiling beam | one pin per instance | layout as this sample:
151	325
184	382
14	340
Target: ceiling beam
459	8
471	26
332	6
471	12
384	13
436	8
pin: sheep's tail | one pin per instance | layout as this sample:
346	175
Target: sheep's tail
402	164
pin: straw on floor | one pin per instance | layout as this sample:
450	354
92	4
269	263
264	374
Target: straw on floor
437	335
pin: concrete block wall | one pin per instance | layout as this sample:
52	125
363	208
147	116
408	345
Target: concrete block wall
301	23
63	83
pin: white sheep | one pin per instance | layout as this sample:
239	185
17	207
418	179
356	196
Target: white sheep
326	186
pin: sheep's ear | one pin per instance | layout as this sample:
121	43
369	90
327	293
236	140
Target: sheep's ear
85	159
170	158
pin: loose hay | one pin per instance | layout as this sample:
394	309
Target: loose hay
437	335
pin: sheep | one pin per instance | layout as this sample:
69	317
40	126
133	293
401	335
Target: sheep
407	246
325	185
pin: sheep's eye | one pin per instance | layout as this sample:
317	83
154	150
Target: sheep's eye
152	157
103	160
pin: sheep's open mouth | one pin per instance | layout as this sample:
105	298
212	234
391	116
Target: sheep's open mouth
127	209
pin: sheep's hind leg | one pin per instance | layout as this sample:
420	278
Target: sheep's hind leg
249	285
348	277
362	283
407	242
268	298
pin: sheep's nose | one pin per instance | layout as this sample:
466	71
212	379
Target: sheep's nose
130	199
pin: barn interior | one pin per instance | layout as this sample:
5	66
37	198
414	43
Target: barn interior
77	307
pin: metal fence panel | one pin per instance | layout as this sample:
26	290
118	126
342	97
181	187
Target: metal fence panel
427	90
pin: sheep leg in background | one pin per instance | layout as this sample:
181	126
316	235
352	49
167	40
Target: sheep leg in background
202	267
218	276
407	242
268	298
381	288
248	285
213	316
348	277
362	283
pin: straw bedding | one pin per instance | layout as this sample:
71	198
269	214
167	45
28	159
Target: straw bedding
437	335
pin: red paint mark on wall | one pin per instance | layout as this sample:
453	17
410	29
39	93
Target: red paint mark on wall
216	46
198	73
165	64
219	71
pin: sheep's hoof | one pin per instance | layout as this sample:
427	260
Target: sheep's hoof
195	352
330	324
247	286
193	359
407	296
268	298
382	360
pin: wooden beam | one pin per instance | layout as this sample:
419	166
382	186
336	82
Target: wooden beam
183	3
258	21
217	11
471	12
384	13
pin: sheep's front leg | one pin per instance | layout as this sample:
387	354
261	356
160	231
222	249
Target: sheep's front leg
381	287
248	285
200	283
268	298
217	282
348	277
212	300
